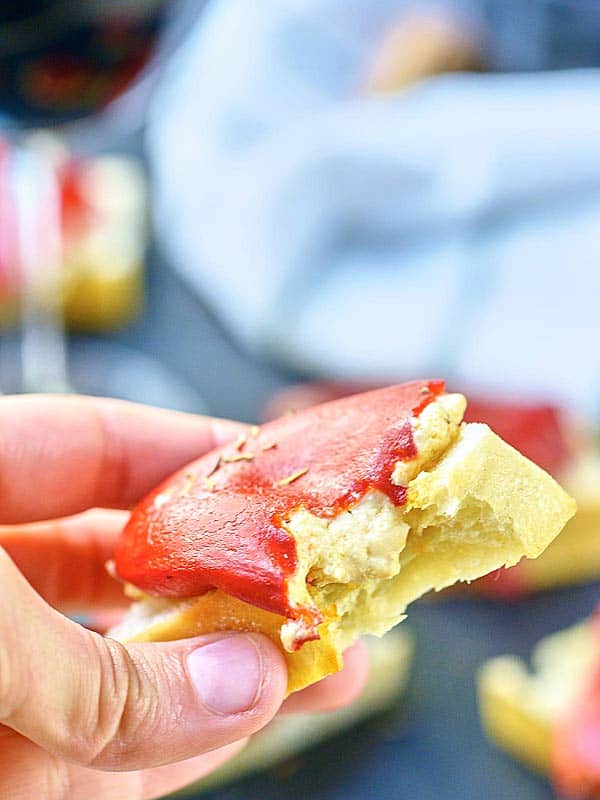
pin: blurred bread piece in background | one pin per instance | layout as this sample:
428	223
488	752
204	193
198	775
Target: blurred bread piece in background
103	235
519	706
104	261
422	44
549	717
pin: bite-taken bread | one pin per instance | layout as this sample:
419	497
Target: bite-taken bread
566	447
551	437
549	717
324	525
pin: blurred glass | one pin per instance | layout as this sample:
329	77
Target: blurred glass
61	61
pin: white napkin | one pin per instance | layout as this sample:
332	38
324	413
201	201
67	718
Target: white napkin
451	229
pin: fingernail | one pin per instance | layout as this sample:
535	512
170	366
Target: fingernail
227	674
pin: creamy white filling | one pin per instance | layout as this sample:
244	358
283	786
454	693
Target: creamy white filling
481	506
344	558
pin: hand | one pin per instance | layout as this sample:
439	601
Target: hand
82	716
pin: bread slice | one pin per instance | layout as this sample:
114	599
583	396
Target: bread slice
574	556
289	735
521	708
549	718
566	447
466	503
562	444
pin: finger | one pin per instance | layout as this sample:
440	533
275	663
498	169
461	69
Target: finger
335	691
94	702
63	455
27	771
64	559
160	781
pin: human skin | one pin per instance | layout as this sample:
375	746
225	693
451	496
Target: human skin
80	715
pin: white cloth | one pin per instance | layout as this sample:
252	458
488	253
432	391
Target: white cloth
452	229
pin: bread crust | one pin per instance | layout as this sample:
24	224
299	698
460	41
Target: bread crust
217	611
480	506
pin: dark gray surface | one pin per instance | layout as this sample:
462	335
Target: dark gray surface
431	747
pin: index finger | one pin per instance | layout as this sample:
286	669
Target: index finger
65	559
63	455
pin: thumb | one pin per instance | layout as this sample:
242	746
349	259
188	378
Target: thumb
98	703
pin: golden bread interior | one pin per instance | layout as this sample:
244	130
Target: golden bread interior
574	556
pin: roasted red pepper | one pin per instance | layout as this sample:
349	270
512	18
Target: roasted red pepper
536	430
220	522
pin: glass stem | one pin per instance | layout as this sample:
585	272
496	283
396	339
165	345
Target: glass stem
43	339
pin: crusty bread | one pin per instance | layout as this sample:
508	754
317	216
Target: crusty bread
563	444
573	557
520	709
472	504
